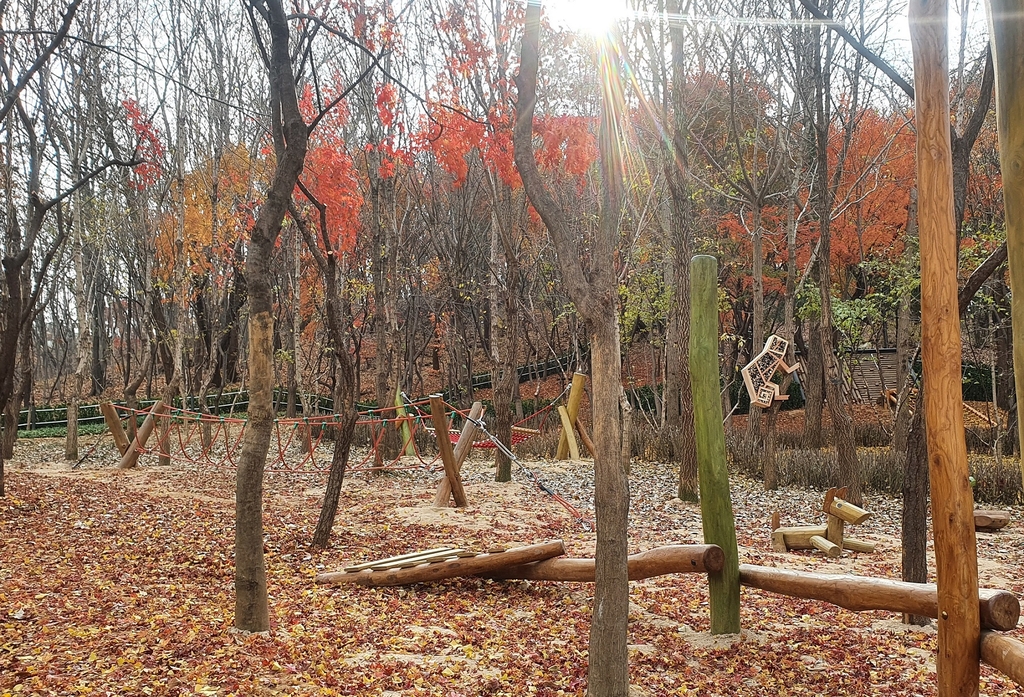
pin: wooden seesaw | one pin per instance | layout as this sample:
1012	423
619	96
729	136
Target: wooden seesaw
534	562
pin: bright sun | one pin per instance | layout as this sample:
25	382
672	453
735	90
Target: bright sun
592	17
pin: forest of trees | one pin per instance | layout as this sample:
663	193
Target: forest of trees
139	149
358	199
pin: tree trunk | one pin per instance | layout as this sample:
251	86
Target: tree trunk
596	299
678	397
290	140
814	393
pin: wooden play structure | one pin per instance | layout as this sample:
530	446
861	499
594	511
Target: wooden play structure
758	374
829	538
990	521
991	611
538	562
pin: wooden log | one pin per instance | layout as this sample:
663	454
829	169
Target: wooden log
114	426
403	423
585	438
1005	654
671	559
567	428
444	446
428	559
799	536
443	495
471	566
998	609
779	542
572	406
855	545
834	530
956	555
1006	29
831	549
131	456
854	515
712	468
368	564
990	521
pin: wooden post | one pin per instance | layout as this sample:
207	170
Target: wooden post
444	488
114	426
568	434
579	380
585	438
957	662
712	471
131	457
401	413
1006	27
444	446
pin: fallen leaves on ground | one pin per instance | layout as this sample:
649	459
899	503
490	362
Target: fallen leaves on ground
121	583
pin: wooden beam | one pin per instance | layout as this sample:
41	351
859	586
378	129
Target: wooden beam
568	432
671	559
443	494
579	381
997	609
470	566
131	456
444	447
114	426
831	549
585	438
956	557
410	555
1006	28
712	467
855	545
991	520
854	515
1005	654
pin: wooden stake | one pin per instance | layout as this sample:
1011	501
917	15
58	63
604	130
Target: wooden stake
579	381
585	438
568	434
1006	27
401	413
443	494
444	447
952	504
131	456
712	471
114	426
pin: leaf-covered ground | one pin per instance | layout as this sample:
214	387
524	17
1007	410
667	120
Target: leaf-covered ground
120	583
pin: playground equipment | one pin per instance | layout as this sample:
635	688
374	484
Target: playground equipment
538	562
758	374
828	538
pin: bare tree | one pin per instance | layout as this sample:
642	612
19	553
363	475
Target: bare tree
594	291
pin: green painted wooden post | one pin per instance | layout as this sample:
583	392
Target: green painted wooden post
410	447
712	469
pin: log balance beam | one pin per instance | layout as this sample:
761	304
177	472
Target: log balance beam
534	562
999	609
1005	654
671	559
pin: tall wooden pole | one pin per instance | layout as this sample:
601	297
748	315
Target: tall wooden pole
712	468
1006	27
952	504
